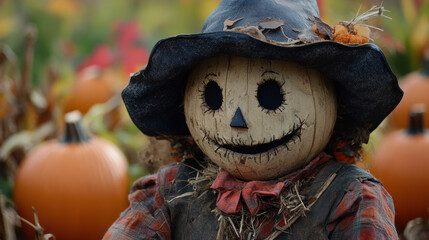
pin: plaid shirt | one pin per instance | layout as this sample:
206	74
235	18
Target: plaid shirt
365	212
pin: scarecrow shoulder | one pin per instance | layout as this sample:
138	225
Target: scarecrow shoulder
147	215
366	210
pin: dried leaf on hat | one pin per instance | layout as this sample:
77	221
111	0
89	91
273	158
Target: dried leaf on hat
322	29
270	23
227	24
308	36
251	31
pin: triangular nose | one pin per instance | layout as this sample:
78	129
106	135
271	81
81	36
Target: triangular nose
238	120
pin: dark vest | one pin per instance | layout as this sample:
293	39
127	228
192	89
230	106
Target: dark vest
191	217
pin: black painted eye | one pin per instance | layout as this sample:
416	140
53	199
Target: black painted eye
213	95
270	95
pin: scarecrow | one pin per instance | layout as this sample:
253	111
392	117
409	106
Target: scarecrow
277	110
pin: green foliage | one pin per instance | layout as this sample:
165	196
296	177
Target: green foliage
87	24
409	27
403	38
136	171
6	186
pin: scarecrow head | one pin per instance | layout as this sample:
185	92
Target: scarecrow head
259	118
259	103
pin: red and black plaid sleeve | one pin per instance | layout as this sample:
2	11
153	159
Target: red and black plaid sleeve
365	212
147	216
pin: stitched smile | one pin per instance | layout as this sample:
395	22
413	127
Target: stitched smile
264	147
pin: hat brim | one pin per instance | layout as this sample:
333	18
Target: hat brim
367	90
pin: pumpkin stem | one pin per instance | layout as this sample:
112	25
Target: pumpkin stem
417	123
74	132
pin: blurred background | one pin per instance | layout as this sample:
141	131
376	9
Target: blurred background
57	56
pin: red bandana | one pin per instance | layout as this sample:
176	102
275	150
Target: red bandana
230	188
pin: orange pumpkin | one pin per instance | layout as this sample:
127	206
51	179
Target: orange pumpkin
416	88
78	185
91	86
401	163
351	33
94	86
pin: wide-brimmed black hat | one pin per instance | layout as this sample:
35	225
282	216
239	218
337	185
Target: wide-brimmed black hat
367	90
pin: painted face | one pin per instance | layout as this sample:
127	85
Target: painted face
259	119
